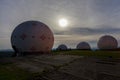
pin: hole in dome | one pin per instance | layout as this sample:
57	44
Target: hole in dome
33	36
34	24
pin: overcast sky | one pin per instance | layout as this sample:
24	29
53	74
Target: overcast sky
88	20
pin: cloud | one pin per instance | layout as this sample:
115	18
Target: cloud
89	31
88	19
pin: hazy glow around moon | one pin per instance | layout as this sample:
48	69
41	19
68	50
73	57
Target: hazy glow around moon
63	22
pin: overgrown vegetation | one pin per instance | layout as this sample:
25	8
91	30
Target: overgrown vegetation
111	54
10	72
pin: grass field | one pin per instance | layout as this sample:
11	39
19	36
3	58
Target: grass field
113	54
8	71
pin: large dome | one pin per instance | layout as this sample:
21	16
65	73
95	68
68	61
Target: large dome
32	36
83	46
107	42
62	47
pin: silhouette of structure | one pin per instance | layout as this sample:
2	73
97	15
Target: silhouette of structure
83	46
32	37
62	47
107	42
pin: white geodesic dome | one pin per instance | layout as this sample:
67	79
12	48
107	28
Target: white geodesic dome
107	42
62	47
32	36
83	46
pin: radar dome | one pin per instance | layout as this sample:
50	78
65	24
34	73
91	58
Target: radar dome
32	37
62	47
83	46
107	42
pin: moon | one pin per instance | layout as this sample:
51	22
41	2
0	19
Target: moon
63	22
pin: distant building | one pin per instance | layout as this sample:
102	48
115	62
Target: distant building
62	47
32	37
107	42
83	46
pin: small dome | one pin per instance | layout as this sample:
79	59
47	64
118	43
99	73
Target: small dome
83	46
62	47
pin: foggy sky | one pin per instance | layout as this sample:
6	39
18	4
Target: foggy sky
88	19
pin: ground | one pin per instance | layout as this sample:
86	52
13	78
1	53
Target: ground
59	67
